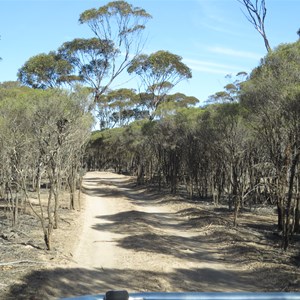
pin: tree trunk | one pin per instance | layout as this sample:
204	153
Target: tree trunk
50	220
140	174
236	209
297	215
79	192
289	207
15	210
56	205
72	190
235	194
41	215
48	237
280	211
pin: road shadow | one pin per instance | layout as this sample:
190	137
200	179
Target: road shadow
121	186
132	221
121	182
201	234
60	282
159	232
152	232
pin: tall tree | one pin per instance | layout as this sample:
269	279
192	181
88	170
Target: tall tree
231	92
257	12
116	108
46	71
175	103
272	95
159	73
42	135
118	28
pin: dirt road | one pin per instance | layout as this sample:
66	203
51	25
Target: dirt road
137	241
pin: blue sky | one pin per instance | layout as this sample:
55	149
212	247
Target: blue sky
212	36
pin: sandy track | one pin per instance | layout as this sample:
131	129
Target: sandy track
96	249
144	244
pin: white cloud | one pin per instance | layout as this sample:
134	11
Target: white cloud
217	16
235	53
211	67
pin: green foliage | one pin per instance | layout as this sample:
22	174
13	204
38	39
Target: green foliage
97	61
119	9
272	98
274	83
231	91
92	47
160	68
117	27
90	57
129	21
45	71
175	103
159	73
117	108
42	134
11	89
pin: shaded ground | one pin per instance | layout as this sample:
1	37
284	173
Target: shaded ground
141	240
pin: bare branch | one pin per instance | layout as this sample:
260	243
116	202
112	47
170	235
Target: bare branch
256	14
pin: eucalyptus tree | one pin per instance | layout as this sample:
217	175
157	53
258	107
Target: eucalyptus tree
272	95
113	151
46	71
192	148
144	105
152	151
231	92
257	12
200	153
59	129
116	108
42	136
15	154
72	167
176	102
183	101
233	144
117	28
159	72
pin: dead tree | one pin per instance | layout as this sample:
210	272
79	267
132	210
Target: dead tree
257	12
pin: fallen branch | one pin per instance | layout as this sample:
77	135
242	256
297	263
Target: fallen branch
30	243
64	220
21	232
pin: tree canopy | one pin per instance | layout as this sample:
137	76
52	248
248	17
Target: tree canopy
118	28
46	71
159	73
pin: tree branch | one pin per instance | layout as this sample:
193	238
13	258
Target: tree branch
256	16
